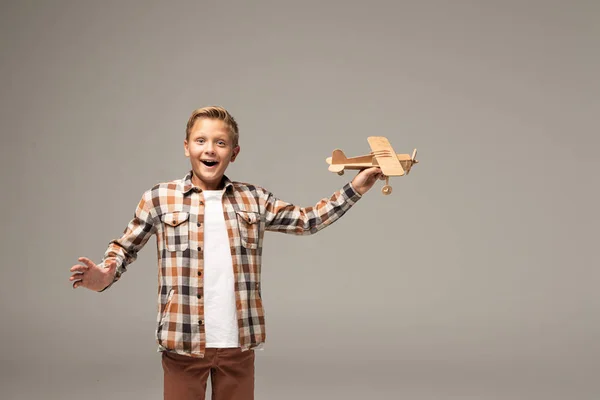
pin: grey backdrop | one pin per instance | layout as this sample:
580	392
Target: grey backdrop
477	278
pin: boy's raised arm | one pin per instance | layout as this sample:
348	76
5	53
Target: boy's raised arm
288	218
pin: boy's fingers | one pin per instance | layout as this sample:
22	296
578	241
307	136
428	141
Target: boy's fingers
87	262
78	268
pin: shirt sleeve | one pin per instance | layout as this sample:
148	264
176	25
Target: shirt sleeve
288	218
124	250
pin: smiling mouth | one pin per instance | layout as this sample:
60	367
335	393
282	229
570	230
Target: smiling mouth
209	163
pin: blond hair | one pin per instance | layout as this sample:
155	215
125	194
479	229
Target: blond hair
214	112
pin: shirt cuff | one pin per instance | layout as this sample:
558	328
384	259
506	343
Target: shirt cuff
115	278
350	193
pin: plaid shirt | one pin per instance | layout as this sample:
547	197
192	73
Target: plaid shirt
174	211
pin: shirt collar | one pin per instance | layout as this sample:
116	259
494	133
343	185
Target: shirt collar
188	186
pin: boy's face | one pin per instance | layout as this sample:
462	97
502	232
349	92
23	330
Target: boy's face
210	149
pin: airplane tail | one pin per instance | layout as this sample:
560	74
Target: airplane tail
336	161
338	157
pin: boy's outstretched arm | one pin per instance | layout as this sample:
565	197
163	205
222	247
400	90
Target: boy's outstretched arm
288	218
120	252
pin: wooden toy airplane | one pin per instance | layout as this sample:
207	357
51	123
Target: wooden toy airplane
382	155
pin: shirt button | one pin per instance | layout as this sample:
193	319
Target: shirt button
199	296
201	203
201	322
199	273
199	248
199	224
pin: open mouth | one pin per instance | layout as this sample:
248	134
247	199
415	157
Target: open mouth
209	163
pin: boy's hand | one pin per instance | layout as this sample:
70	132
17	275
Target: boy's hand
91	276
366	178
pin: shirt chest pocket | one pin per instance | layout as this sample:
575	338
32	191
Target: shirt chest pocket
249	228
176	230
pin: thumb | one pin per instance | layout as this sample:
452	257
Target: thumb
374	173
375	170
369	172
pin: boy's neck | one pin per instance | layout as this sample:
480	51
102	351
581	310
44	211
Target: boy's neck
207	186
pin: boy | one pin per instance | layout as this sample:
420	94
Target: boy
209	239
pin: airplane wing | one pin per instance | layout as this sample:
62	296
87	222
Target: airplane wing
385	156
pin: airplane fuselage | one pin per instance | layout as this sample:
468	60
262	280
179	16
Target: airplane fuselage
369	161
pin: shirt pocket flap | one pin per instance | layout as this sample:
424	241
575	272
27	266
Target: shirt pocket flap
249	217
175	218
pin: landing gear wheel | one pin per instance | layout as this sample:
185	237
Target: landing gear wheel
341	173
387	189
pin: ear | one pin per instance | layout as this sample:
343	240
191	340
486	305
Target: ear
236	151
185	148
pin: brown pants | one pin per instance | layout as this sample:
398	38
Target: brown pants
231	372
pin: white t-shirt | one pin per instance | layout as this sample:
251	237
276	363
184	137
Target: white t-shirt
219	284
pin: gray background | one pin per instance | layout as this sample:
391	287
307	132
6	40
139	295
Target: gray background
475	279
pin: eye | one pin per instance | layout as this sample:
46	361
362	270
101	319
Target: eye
199	140
221	143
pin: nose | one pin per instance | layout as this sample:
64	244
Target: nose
209	148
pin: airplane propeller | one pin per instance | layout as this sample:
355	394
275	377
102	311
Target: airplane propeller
413	160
